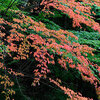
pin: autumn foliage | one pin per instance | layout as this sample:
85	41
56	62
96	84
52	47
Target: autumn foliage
24	39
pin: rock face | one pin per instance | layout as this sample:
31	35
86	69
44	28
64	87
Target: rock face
26	1
31	5
23	3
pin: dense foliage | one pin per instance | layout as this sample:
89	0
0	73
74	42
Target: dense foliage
49	50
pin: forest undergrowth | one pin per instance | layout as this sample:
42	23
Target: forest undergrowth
50	50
